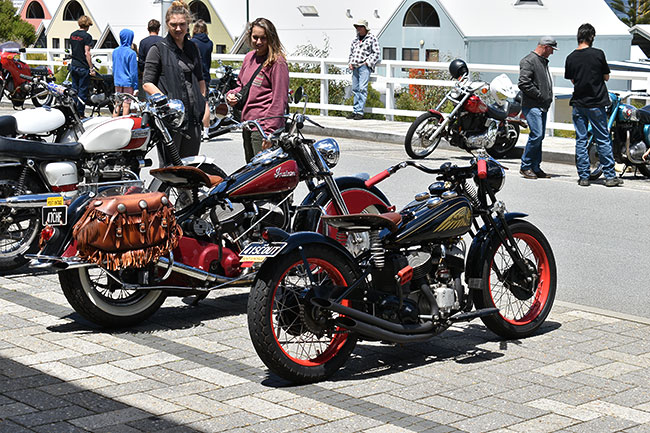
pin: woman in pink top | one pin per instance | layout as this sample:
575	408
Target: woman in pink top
269	90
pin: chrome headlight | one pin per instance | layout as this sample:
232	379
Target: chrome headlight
329	150
175	112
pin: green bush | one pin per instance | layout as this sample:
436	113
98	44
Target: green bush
60	73
405	101
35	56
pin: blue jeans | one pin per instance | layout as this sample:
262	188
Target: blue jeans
80	81
360	77
532	157
597	117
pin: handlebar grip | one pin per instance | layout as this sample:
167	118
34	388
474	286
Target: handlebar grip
26	77
377	178
482	169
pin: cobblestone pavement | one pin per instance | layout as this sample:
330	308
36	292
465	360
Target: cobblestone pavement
194	369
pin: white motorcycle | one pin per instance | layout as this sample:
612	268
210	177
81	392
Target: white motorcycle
109	151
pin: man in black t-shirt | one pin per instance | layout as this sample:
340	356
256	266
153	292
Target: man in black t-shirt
81	66
153	26
587	69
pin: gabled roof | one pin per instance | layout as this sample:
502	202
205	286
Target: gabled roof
121	14
496	18
51	5
296	29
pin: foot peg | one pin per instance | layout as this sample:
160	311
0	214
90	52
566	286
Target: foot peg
466	317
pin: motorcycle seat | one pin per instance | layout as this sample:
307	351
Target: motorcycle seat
185	177
38	70
362	222
496	113
8	126
19	148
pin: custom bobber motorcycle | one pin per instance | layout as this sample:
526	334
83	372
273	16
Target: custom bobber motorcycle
113	286
311	300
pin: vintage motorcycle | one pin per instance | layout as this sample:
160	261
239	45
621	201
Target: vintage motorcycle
108	150
472	124
311	300
218	87
219	216
629	129
15	83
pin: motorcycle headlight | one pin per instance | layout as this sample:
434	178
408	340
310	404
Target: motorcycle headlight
329	150
496	175
175	112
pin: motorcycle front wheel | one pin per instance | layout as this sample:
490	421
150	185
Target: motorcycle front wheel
19	228
103	301
417	142
523	305
295	339
506	140
39	101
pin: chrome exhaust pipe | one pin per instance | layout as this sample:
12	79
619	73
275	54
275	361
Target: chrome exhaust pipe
202	275
27	200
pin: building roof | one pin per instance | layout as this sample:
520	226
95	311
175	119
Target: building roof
123	14
498	18
333	18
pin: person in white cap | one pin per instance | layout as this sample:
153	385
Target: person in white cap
536	88
364	55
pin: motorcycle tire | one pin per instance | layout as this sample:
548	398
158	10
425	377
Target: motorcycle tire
43	100
505	141
295	339
101	300
520	313
19	232
595	167
415	143
644	169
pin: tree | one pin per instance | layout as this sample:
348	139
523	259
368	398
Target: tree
632	12
12	27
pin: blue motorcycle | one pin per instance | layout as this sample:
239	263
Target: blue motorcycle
629	129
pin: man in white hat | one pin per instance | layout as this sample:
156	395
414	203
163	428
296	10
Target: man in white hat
364	55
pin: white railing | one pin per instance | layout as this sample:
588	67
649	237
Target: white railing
386	82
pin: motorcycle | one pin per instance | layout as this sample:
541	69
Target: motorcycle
219	216
108	151
472	124
101	89
312	300
630	134
218	87
15	84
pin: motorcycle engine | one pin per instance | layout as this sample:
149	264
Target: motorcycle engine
391	310
486	138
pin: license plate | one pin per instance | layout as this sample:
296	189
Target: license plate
55	215
260	251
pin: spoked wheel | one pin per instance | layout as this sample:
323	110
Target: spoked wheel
19	228
523	305
506	141
104	301
295	339
417	143
595	167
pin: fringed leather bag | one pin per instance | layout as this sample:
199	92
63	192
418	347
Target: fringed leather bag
119	232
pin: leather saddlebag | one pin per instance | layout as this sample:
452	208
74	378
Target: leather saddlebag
119	232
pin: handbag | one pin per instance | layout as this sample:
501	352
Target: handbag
119	232
242	96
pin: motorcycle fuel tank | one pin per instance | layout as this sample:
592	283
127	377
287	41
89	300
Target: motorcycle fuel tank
437	218
118	134
38	120
270	176
61	175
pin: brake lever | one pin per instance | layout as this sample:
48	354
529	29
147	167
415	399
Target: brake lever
314	123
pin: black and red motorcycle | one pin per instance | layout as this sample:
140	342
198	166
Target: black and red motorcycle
15	82
219	217
312	300
472	124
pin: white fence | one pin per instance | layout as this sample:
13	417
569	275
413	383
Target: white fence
387	82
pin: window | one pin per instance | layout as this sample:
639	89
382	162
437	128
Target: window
110	41
56	44
200	11
73	11
421	14
308	11
35	11
432	55
67	44
220	49
389	53
412	54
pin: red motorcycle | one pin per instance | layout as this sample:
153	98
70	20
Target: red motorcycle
15	80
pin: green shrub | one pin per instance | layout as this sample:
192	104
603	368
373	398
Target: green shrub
405	101
60	73
35	56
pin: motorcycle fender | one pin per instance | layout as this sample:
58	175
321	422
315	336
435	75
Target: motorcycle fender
479	250
197	161
436	112
320	193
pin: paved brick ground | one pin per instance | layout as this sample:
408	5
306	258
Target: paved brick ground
194	369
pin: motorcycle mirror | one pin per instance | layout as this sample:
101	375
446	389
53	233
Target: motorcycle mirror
297	95
22	50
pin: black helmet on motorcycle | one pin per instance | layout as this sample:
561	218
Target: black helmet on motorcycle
458	68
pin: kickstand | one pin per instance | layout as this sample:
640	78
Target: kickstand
198	298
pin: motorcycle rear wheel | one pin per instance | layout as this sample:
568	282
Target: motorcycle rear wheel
416	143
520	313
104	302
296	340
19	232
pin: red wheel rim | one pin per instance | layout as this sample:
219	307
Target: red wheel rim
306	348
512	310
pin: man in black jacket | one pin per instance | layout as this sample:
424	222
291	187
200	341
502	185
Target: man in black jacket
536	87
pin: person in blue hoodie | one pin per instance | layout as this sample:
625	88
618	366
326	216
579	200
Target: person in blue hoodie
205	46
125	70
